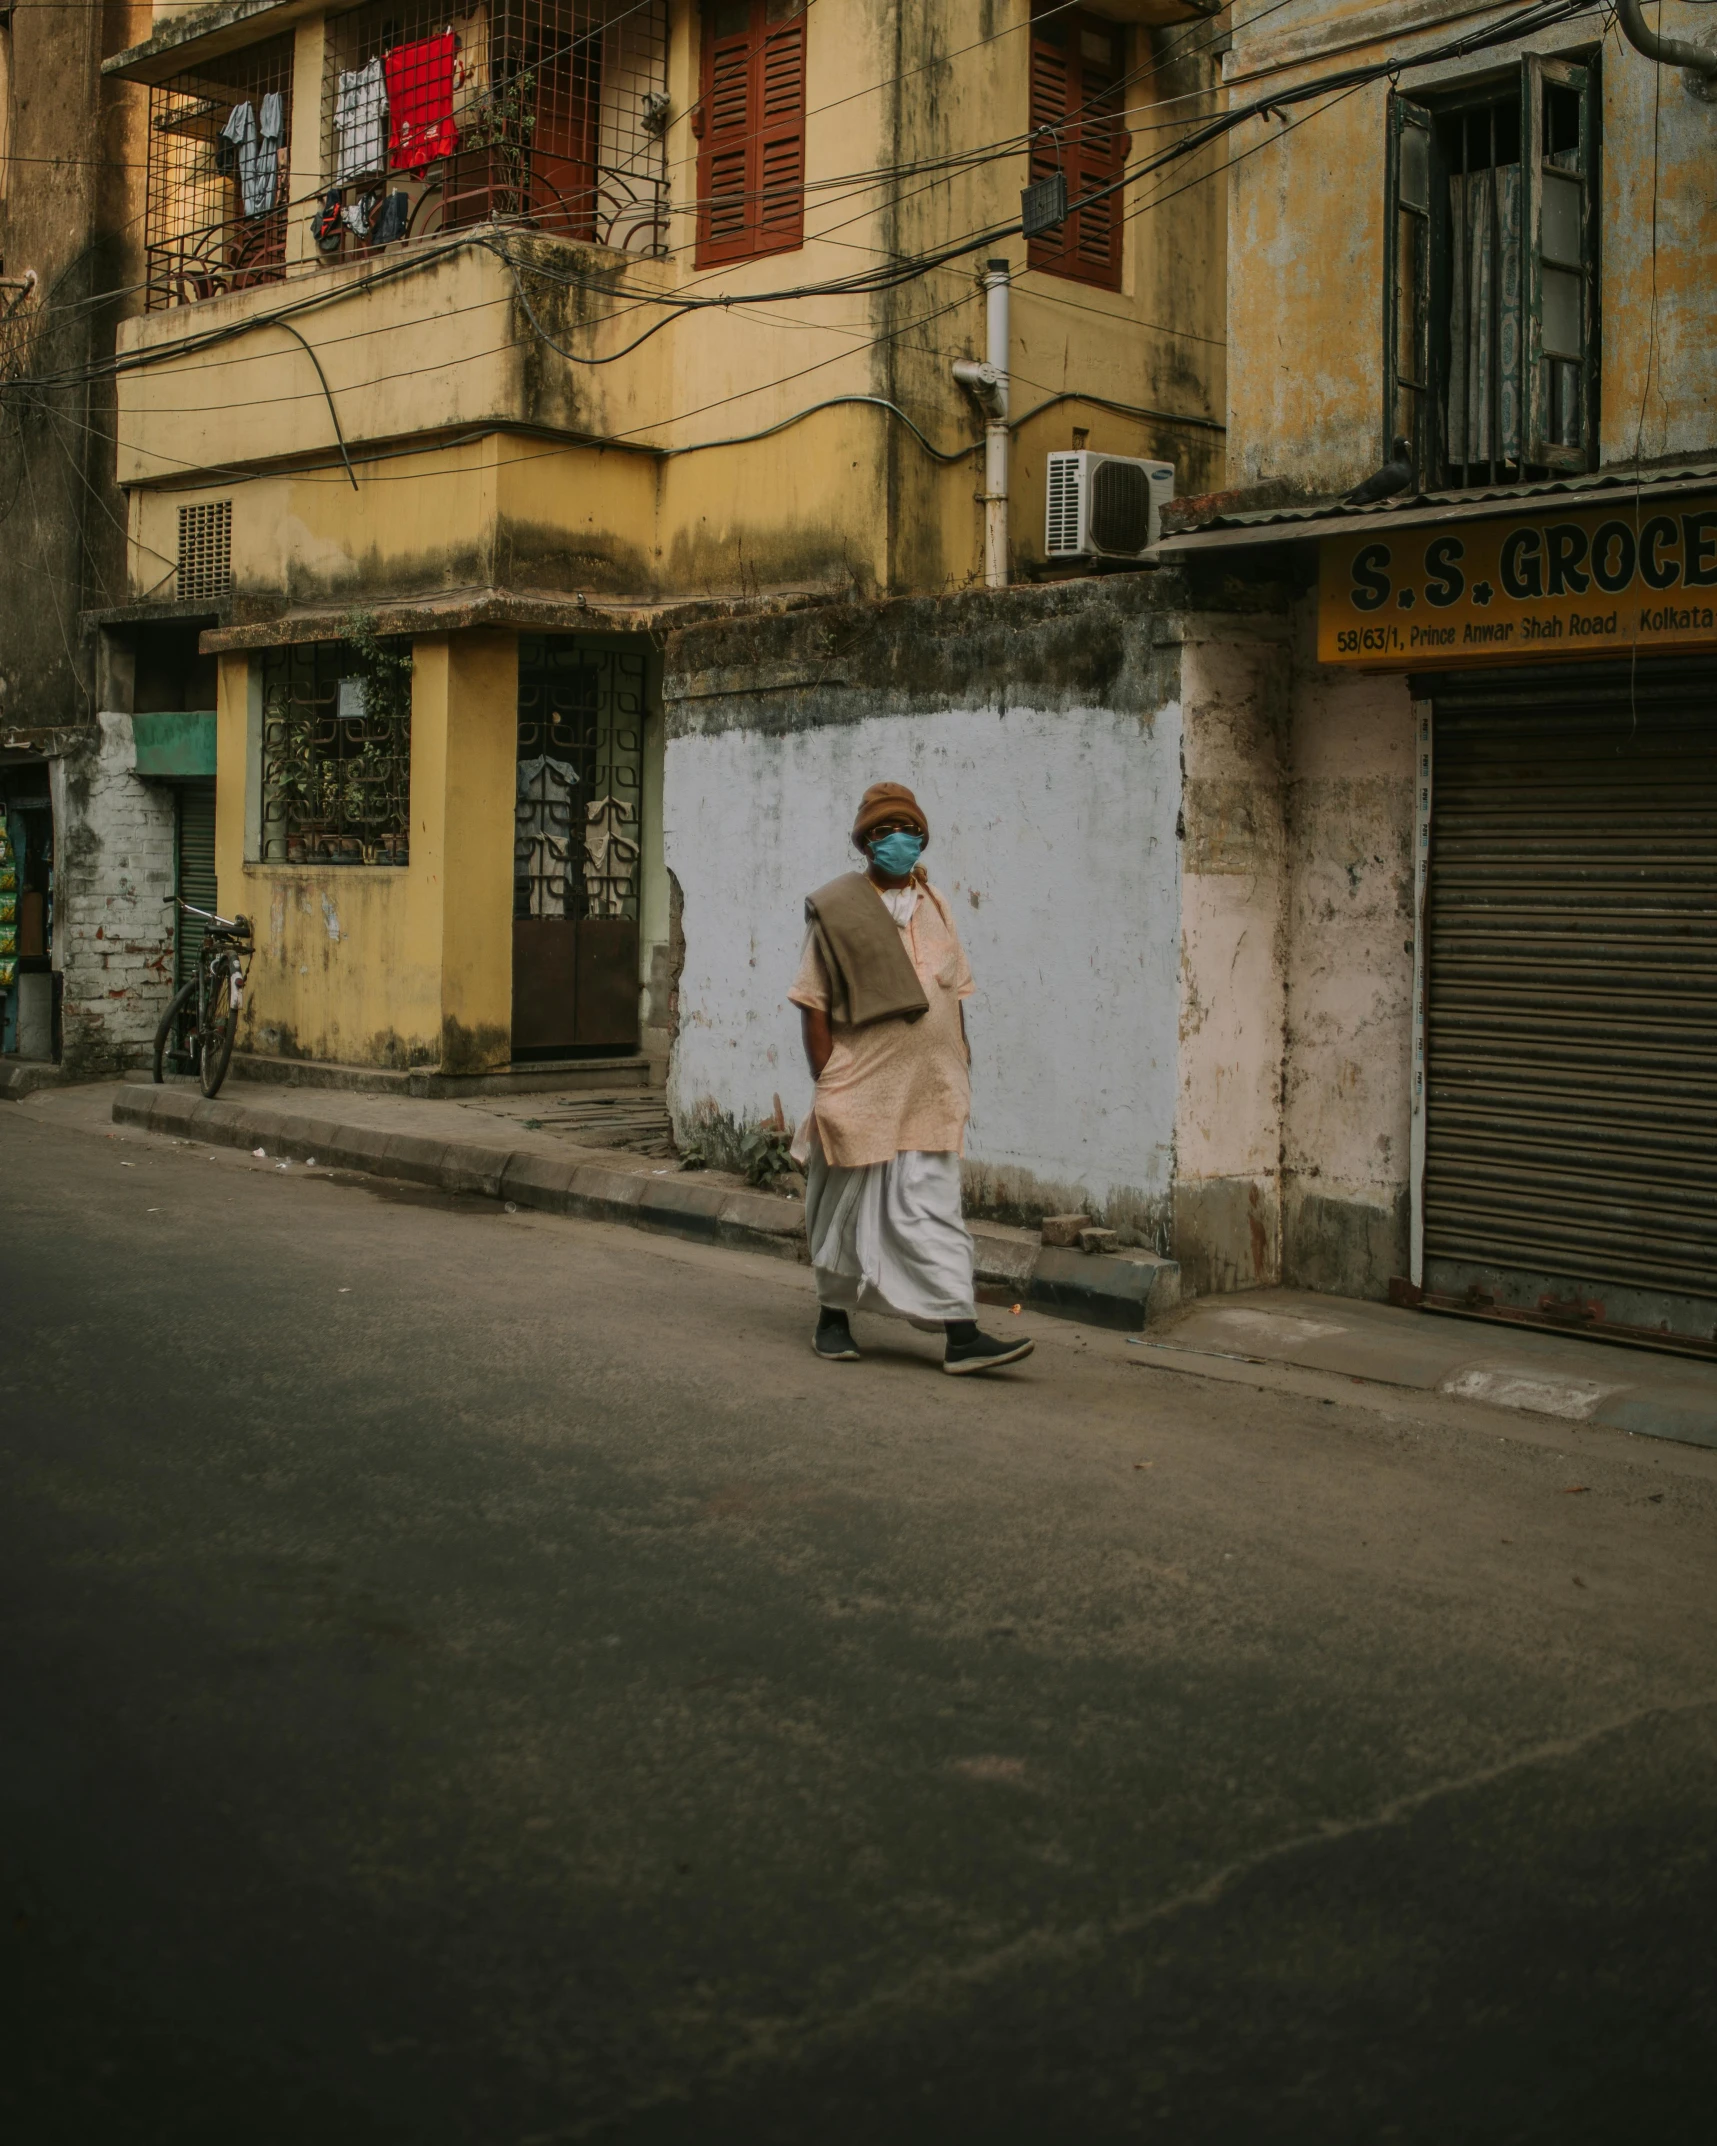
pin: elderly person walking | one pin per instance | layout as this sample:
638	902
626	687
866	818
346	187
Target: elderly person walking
879	988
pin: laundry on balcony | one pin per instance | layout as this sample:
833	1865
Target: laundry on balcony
257	145
361	123
420	100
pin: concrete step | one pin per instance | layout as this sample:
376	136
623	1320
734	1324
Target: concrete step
632	1070
20	1077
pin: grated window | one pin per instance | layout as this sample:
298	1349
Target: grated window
206	549
336	753
545	114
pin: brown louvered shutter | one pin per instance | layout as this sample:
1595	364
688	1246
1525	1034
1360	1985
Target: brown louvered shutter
1077	93
751	120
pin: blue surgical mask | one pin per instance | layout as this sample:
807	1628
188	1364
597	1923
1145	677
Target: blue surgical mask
896	854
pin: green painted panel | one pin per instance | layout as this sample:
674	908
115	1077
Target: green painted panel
175	745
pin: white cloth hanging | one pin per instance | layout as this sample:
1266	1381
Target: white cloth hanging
542	834
610	857
360	124
1484	315
258	147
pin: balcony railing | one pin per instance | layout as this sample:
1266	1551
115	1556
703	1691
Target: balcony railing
546	114
216	204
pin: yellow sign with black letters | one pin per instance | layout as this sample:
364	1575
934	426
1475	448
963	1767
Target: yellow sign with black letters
1520	588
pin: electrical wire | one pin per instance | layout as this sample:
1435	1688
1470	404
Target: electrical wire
894	273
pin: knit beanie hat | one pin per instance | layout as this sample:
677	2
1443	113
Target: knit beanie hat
887	801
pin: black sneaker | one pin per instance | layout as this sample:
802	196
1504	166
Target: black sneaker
982	1353
833	1340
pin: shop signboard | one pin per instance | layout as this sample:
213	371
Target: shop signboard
1548	582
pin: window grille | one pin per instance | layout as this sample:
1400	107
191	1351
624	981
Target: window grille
216	204
1491	348
336	754
206	549
580	778
549	114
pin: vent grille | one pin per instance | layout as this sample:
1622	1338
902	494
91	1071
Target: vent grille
1120	507
206	549
1061	529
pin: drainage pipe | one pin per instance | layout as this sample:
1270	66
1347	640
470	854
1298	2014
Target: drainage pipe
1667	51
987	384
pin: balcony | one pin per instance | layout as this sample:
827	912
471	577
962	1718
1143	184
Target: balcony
543	115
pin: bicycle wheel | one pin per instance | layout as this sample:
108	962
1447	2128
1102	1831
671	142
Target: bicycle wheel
172	1036
218	1035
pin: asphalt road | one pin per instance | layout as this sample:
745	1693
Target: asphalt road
477	1678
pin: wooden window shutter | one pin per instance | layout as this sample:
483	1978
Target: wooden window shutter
1078	70
751	127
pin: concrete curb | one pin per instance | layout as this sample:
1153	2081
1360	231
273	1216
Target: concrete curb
577	1184
1108	1289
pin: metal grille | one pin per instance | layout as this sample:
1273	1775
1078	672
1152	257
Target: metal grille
1571	1020
1061	519
336	757
549	114
195	842
206	549
580	779
216	203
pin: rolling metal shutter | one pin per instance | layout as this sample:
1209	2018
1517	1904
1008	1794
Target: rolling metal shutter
196	866
1571	1012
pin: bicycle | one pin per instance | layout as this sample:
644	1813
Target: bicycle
200	1025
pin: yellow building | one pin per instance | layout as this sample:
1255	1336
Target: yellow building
481	352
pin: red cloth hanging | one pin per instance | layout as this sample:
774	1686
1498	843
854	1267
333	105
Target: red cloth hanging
420	101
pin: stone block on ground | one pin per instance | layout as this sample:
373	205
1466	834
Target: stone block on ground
1062	1231
1129	1289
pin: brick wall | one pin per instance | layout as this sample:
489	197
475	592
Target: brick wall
113	930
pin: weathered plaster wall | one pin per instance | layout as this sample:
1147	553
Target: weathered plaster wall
113	869
71	211
1658	240
1349	824
1042	732
1306	238
1228	1119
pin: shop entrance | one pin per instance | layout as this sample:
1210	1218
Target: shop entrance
576	857
1570	1174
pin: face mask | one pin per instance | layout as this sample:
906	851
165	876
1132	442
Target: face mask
896	854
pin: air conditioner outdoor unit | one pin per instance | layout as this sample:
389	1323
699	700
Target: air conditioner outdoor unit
1104	506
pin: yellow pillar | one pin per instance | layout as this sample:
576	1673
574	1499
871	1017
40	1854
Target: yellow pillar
464	748
304	142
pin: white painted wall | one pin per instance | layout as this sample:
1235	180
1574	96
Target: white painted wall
1053	835
113	933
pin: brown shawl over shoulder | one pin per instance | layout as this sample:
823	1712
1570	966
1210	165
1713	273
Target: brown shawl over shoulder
871	977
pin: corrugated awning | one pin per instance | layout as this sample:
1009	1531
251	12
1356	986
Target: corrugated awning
1303	525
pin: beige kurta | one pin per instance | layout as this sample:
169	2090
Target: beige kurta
895	1085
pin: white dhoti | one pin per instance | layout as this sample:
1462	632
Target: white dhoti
889	1237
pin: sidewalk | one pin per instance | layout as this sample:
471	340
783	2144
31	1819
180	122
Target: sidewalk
533	1153
1598	1384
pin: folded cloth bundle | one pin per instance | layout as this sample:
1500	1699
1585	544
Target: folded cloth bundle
871	977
